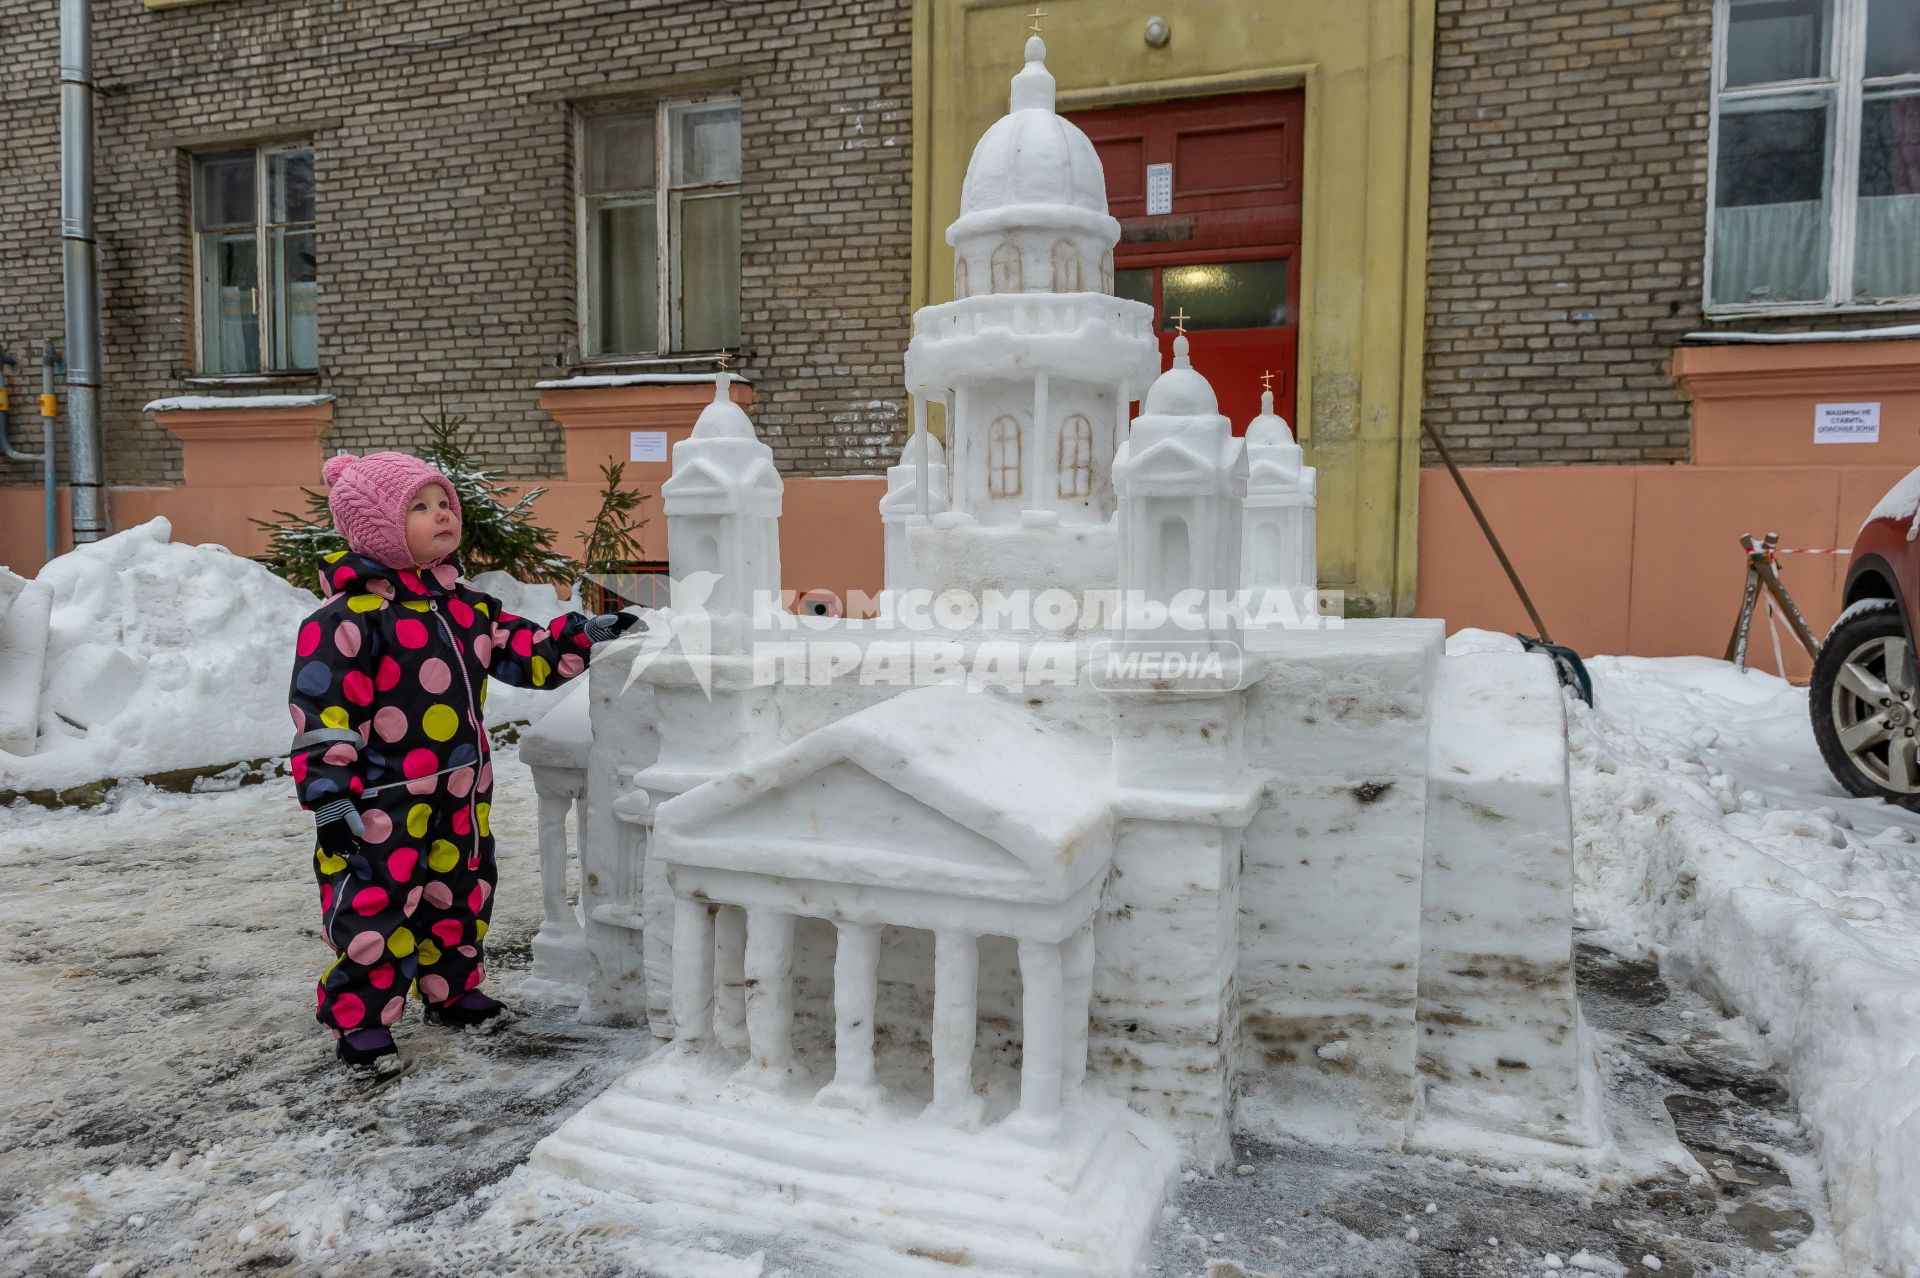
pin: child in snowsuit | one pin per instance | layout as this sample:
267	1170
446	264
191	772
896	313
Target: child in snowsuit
391	756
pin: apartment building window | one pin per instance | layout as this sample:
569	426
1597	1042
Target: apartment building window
660	225
256	262
1816	155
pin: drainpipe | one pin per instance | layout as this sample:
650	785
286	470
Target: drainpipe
50	409
78	270
47	451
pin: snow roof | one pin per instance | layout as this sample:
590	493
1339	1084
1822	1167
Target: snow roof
196	403
562	737
993	769
1888	333
588	381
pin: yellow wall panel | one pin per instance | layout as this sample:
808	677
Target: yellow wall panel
1366	67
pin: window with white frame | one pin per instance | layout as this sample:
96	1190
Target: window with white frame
256	260
660	228
1816	154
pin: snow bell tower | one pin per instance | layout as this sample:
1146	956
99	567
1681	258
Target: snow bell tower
723	518
1035	362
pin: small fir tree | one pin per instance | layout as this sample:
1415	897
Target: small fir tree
494	535
297	545
611	546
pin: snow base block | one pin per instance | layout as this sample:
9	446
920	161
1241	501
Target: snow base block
1079	1202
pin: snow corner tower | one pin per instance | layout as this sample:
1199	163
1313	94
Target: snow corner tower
1279	550
1034	363
722	505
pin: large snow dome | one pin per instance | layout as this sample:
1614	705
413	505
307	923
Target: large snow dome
1031	155
1033	209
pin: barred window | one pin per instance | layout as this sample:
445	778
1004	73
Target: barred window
1009	276
1066	268
1075	456
1003	458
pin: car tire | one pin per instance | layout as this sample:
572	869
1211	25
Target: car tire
1865	706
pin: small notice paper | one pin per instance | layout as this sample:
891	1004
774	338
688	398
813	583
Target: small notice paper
1846	423
651	445
1159	189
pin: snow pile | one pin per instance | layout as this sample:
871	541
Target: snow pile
162	656
159	656
1709	830
24	610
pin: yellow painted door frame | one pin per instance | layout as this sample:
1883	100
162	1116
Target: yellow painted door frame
1366	67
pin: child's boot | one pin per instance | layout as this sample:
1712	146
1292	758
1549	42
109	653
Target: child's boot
468	1011
370	1054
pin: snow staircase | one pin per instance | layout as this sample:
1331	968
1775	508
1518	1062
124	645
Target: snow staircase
1081	1204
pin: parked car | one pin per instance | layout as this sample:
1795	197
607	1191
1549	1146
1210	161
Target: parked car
1864	697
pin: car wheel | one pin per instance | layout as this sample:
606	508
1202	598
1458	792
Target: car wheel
1864	704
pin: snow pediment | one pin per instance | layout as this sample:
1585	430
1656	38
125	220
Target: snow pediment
707	484
937	790
699	477
1176	462
1272	474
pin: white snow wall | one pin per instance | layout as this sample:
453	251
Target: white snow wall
1404	909
25	609
1500	1037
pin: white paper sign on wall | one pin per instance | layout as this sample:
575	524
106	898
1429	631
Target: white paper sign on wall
1159	189
647	445
1846	423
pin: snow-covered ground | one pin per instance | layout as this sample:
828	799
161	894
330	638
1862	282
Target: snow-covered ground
172	1109
1709	831
171	1106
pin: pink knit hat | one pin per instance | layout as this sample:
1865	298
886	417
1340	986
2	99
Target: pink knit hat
369	497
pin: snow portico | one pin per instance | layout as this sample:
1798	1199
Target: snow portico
968	967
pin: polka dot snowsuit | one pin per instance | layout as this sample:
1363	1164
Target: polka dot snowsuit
389	682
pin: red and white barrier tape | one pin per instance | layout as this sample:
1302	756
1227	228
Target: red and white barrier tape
1760	549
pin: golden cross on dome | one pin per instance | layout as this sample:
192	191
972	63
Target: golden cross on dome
1180	318
721	360
1037	14
1266	380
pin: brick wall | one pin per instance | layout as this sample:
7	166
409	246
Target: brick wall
1568	224
445	205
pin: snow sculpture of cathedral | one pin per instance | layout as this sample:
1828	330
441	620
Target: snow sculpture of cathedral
969	969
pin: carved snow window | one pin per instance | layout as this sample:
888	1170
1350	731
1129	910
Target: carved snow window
1106	272
1008	276
1075	458
962	286
1066	268
1174	572
1003	458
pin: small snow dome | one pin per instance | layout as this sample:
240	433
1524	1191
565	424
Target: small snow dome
1031	156
1180	391
1269	427
723	419
936	451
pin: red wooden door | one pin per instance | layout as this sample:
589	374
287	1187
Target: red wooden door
1225	247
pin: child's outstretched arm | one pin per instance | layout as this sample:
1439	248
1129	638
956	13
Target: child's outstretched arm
334	686
527	654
